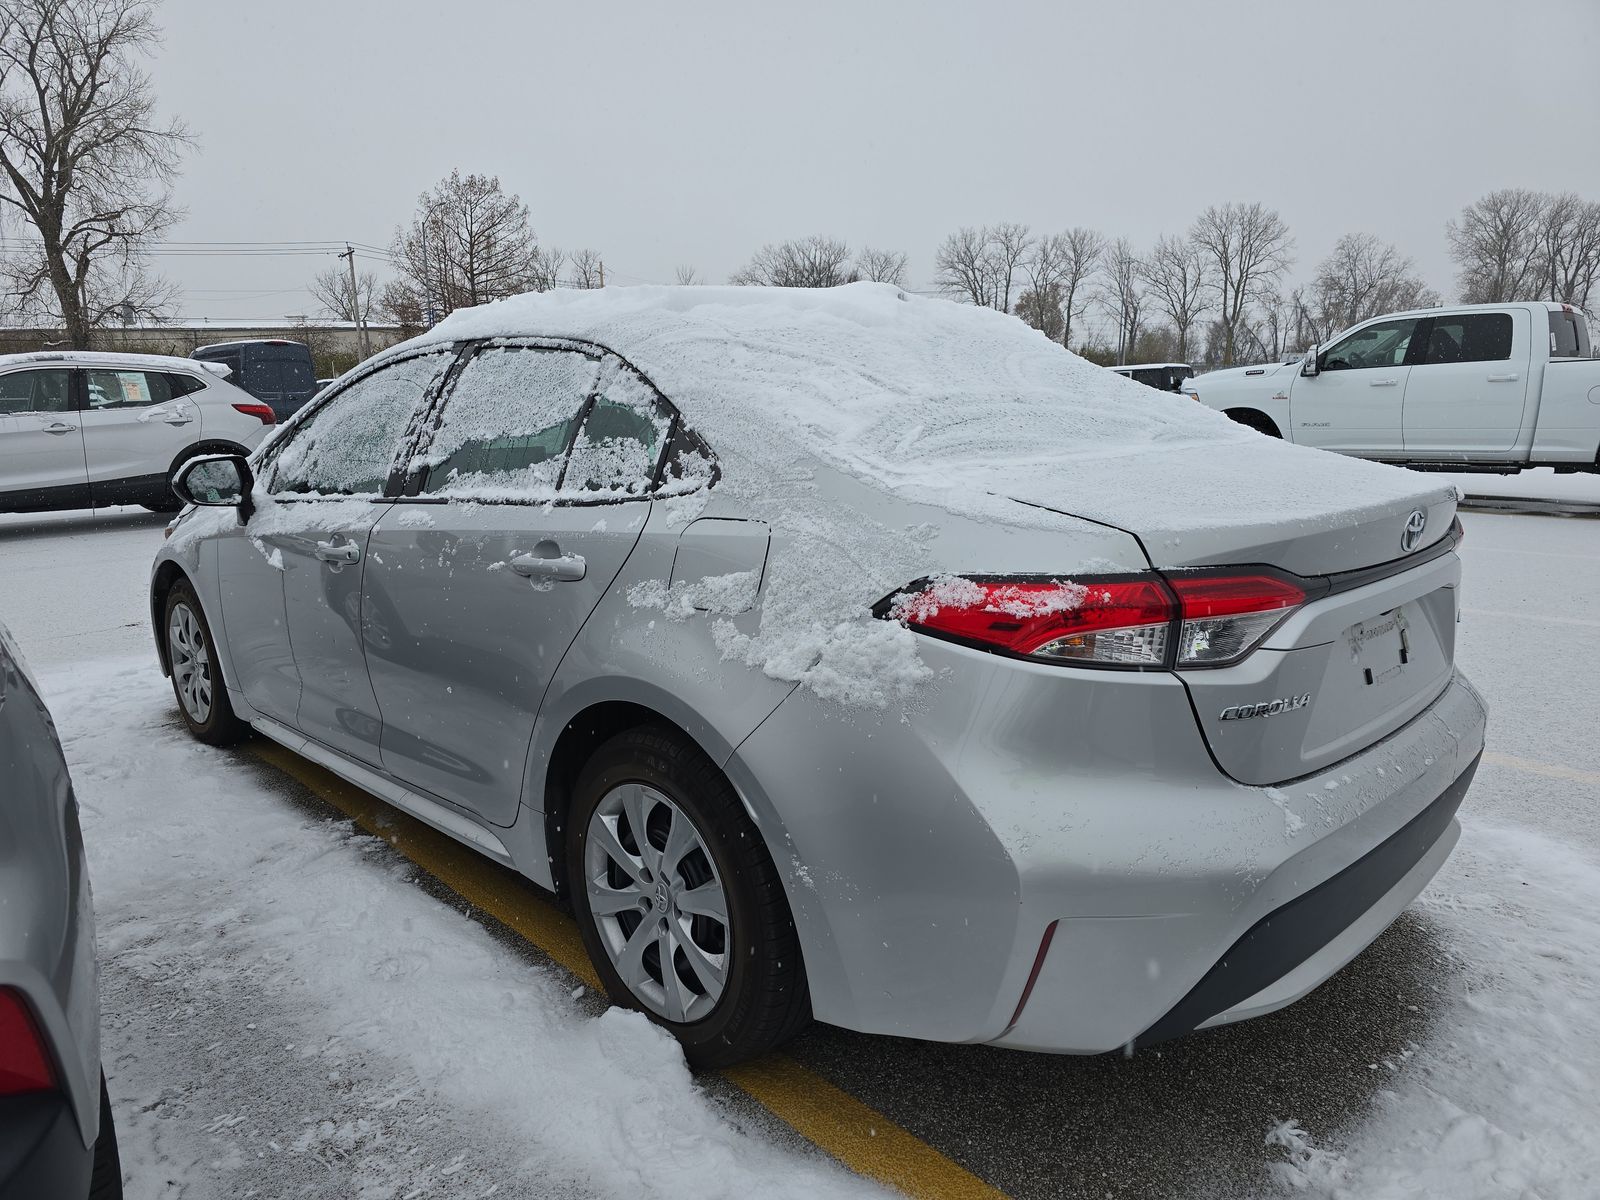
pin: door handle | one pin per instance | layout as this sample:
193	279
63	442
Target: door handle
177	419
339	552
60	427
1384	383
1511	378
568	568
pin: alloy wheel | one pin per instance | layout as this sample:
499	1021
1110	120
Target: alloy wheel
658	902
191	664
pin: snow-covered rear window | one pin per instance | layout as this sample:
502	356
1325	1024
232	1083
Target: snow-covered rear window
508	422
348	445
619	445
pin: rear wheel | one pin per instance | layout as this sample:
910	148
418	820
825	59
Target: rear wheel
678	901
196	676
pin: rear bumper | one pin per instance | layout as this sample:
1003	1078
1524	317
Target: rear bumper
41	1152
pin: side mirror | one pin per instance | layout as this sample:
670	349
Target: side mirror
1310	367
216	481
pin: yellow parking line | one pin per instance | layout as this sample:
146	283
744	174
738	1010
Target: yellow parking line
860	1137
1548	770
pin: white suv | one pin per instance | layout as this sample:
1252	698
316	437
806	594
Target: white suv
79	429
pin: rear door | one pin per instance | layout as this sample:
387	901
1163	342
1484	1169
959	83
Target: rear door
535	490
134	429
1467	395
1355	402
41	440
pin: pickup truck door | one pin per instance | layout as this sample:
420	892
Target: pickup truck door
1467	395
1354	403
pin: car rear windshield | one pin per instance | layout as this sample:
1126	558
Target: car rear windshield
281	371
1569	335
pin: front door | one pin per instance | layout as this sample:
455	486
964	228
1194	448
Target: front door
477	587
325	488
134	430
1355	402
1467	396
41	441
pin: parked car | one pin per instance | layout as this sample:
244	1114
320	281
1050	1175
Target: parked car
274	370
851	655
1165	377
1497	387
80	429
57	1138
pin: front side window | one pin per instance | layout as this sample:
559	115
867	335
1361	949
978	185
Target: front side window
349	444
1382	345
127	389
616	451
36	391
1469	337
508	423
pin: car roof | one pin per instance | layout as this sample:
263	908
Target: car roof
97	358
1152	367
235	345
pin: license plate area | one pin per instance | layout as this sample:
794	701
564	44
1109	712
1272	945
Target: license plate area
1380	646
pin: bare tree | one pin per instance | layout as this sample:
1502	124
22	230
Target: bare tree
1042	306
469	243
1057	268
812	262
331	289
981	265
545	267
882	266
1249	247
87	164
686	276
1569	248
1122	293
1495	245
1178	274
400	304
1363	277
588	271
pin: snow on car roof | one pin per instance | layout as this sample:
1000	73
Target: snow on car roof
98	358
963	409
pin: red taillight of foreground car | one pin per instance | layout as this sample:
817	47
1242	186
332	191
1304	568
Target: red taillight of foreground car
24	1058
1139	622
259	411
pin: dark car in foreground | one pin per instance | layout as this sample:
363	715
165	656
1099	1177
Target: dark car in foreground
57	1141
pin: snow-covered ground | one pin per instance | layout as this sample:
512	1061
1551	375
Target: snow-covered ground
288	1014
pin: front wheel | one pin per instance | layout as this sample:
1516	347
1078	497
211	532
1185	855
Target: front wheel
196	675
678	901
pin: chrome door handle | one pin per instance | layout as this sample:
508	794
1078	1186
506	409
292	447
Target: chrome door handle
1384	383
177	419
60	427
569	568
1511	378
339	552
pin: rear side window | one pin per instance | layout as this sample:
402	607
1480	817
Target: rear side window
127	389
1569	335
1469	337
616	451
508	423
184	385
348	445
35	391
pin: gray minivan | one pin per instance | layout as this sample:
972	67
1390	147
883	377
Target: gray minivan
274	370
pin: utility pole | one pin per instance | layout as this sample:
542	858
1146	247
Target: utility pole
349	256
602	272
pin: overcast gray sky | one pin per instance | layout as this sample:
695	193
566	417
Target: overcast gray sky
693	132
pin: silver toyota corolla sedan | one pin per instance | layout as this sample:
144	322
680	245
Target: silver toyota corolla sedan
850	655
56	1134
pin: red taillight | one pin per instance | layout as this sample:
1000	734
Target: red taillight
24	1058
1121	622
259	411
1148	621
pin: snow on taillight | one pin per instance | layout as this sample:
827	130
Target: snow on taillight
1148	621
1227	616
1122	622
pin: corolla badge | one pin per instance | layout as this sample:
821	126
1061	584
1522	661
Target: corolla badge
1411	537
1266	708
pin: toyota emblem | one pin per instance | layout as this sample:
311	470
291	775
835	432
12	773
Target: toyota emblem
1415	524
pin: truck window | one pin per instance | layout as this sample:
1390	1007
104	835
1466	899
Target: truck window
1381	345
1469	337
1569	336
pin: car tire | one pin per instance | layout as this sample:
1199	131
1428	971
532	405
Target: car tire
196	672
106	1181
655	774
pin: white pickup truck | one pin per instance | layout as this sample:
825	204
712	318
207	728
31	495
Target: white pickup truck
1489	387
